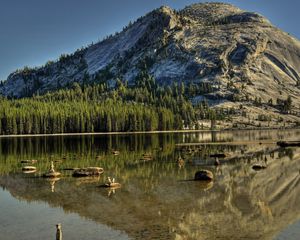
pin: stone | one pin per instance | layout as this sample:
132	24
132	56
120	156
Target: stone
204	175
86	172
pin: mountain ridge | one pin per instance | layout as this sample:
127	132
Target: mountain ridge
240	54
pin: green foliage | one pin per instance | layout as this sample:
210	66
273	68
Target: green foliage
142	106
97	108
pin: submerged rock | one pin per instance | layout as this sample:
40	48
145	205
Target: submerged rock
204	175
86	172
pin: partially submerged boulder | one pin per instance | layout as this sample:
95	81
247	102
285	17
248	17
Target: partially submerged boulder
29	161
146	157
86	172
204	175
28	169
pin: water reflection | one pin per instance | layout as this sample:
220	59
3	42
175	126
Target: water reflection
157	198
52	182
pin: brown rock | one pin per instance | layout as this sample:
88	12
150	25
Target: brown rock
204	175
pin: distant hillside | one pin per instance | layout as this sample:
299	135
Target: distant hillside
244	62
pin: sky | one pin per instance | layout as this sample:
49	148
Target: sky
35	31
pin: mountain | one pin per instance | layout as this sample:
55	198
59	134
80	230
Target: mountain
246	61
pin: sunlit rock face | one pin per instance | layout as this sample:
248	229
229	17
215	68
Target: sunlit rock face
241	54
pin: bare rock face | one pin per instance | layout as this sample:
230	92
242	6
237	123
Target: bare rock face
239	53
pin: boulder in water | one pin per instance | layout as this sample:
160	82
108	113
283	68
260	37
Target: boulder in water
204	175
86	172
29	161
28	169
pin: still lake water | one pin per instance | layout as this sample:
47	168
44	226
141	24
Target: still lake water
157	200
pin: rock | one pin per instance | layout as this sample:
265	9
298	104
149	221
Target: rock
29	161
146	157
242	46
86	172
204	175
28	168
258	167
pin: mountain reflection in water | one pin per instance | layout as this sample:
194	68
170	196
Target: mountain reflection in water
157	200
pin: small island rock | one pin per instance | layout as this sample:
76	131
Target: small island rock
204	175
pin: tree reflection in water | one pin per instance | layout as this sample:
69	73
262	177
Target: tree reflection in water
157	200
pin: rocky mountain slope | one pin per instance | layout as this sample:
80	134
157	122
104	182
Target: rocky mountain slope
244	58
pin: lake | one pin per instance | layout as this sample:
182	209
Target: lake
158	198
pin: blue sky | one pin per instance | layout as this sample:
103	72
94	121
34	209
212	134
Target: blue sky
35	31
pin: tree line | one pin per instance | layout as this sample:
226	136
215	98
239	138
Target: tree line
144	106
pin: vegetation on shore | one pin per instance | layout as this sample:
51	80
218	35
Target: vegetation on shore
96	106
145	106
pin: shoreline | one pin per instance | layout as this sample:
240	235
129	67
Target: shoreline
137	132
104	133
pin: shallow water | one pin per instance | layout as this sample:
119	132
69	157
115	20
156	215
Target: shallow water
157	200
